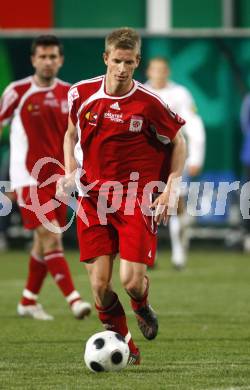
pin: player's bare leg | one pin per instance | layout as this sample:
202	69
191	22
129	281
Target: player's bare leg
136	283
108	306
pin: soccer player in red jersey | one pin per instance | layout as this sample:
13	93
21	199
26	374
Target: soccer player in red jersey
118	137
38	110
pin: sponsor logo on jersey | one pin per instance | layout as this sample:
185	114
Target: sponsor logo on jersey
51	102
115	106
91	117
34	109
114	117
136	123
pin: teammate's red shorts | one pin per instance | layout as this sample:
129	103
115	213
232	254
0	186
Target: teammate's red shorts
133	236
36	197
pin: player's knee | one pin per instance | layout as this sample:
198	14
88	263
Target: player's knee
100	288
133	288
50	241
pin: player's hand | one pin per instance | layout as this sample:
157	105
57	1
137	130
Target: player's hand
194	170
160	207
166	204
65	186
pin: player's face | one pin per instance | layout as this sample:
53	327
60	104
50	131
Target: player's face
47	62
121	64
158	73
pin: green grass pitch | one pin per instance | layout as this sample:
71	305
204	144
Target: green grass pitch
203	341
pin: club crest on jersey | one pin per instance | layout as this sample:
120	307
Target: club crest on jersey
91	117
135	124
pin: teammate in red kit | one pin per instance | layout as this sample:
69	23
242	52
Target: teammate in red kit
38	110
117	137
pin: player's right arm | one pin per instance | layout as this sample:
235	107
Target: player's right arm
67	183
70	140
8	104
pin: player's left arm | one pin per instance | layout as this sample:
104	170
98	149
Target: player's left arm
169	198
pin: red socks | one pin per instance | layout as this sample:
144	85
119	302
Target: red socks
137	305
59	269
113	318
36	276
55	263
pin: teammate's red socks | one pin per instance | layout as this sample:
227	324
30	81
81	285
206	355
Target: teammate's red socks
59	269
138	304
113	318
37	273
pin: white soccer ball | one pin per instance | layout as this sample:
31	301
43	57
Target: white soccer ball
106	351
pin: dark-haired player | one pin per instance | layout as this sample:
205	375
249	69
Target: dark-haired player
37	109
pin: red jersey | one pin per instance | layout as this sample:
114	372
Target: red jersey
38	118
118	135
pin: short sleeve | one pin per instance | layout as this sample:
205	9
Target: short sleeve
73	103
8	104
164	122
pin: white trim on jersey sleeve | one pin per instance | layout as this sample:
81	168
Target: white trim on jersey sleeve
19	175
18	83
9	97
78	153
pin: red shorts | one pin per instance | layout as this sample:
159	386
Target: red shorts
133	236
36	197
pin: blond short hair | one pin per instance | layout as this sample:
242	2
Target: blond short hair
123	38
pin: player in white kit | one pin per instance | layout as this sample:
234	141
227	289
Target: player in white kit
180	100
